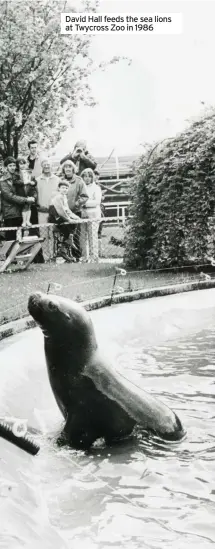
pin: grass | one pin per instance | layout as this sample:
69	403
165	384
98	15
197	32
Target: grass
78	281
107	248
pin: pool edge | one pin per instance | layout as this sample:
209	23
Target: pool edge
17	326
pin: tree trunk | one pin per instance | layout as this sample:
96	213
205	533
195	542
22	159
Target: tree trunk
9	150
2	151
16	144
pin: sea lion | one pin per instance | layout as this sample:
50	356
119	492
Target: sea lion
95	400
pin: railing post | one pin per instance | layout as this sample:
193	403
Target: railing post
19	234
123	214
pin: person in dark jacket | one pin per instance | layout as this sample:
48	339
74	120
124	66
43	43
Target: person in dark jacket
34	165
12	202
34	159
80	157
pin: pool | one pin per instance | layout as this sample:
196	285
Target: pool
141	493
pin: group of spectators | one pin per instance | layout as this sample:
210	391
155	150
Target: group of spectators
32	194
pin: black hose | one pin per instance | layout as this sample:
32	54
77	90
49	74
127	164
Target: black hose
22	442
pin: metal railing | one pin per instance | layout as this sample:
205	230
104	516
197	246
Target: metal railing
86	240
121	208
83	281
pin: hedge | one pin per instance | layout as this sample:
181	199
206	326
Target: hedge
172	200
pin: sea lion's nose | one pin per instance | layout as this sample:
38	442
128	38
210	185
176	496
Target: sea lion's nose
34	300
36	296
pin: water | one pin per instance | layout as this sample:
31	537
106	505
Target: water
139	494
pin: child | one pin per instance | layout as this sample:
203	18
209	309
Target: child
29	189
91	210
59	214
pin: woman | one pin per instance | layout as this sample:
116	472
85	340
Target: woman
12	202
77	196
92	211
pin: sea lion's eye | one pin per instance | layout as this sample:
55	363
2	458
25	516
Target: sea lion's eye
67	315
52	306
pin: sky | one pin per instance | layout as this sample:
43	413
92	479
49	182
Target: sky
166	84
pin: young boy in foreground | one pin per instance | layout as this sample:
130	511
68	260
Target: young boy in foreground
60	215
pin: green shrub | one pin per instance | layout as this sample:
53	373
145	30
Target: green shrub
173	197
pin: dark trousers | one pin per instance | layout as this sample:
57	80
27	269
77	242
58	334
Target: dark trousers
64	228
34	221
101	222
12	222
100	229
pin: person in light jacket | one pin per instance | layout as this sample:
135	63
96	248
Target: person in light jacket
77	196
92	211
47	184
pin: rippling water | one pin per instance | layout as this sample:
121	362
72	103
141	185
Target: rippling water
141	493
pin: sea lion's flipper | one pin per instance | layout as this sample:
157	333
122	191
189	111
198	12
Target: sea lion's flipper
118	424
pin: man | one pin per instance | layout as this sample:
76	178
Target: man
34	159
47	185
12	203
81	157
34	165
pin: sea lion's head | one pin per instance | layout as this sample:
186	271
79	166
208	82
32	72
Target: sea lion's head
62	319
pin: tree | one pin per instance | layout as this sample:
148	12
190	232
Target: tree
173	196
43	74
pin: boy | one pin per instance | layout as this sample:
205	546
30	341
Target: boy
59	214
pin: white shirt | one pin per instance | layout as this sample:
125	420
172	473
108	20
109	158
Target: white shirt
47	188
92	206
